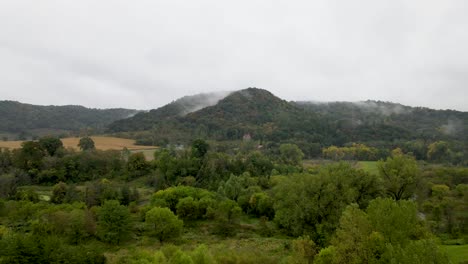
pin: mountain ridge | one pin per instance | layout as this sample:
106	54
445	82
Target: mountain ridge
19	118
266	117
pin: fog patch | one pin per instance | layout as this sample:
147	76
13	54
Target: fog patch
384	108
189	104
453	127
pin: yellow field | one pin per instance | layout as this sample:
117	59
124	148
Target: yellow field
102	143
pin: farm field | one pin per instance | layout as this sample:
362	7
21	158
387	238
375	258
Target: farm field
101	143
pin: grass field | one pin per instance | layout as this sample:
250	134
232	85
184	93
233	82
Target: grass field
456	253
101	142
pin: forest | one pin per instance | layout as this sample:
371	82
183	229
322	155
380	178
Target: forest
259	114
252	203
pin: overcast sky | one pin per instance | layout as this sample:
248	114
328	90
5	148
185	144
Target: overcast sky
144	54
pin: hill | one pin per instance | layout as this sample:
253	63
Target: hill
30	120
269	119
166	113
377	120
250	111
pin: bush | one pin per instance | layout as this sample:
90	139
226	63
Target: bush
163	224
113	222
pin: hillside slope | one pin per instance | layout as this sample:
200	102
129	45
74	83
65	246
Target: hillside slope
16	118
166	113
265	117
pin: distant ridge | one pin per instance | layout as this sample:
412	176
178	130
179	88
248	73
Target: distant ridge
27	119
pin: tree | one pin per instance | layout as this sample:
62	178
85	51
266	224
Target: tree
400	174
291	154
232	188
113	222
163	224
29	157
187	208
228	215
5	160
86	143
387	232
125	195
438	151
137	165
50	144
311	204
257	164
8	186
59	192
199	148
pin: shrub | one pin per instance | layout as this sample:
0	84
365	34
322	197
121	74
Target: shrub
163	224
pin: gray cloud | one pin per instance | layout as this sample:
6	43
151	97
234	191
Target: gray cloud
143	54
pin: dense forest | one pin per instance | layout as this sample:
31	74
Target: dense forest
203	204
259	115
21	121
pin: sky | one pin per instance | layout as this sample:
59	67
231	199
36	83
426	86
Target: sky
144	54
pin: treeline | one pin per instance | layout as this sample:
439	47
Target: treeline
435	152
332	213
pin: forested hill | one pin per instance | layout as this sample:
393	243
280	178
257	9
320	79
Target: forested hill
18	118
377	120
249	111
266	117
179	107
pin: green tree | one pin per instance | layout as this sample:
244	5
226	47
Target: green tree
199	148
389	232
86	143
232	188
125	195
291	154
163	224
311	204
59	193
228	215
400	174
5	160
257	164
137	165
8	186
51	144
29	157
113	222
187	208
438	151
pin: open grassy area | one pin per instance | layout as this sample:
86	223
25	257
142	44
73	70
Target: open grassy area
456	253
369	166
101	142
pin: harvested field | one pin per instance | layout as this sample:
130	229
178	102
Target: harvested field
101	142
